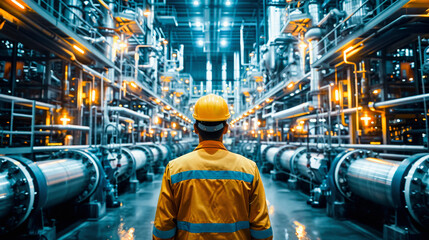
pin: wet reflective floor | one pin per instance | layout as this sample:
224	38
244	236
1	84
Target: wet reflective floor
291	217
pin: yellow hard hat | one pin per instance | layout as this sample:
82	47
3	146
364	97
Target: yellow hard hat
211	108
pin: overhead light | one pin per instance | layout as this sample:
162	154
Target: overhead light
123	45
196	3
226	24
174	55
65	119
18	4
302	45
228	3
133	84
223	43
146	13
198	23
200	43
77	48
165	41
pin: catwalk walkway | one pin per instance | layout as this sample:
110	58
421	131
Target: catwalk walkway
291	217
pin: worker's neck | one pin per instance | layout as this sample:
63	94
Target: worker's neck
201	139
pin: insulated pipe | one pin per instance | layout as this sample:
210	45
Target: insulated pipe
133	159
399	101
26	185
325	114
128	112
63	127
393	184
296	111
27	102
297	161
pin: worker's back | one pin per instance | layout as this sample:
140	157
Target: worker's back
212	194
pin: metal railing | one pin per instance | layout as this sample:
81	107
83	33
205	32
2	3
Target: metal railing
352	23
77	24
13	115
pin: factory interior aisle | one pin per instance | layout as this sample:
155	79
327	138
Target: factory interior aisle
291	217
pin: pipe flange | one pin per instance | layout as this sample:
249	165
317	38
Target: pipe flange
181	149
21	182
293	166
341	168
149	156
278	155
131	167
416	191
168	157
264	153
247	149
93	166
159	151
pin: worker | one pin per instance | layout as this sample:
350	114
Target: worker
212	193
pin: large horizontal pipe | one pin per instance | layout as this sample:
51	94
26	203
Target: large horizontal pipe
297	161
27	102
128	112
325	114
394	148
296	111
63	127
398	102
360	173
27	186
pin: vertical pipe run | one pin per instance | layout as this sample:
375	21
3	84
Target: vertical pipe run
423	91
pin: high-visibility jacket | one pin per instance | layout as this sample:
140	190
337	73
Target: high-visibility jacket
212	193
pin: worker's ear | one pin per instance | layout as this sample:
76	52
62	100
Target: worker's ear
195	128
225	128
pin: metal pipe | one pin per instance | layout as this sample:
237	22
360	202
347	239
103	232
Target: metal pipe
6	193
296	111
29	185
397	102
65	179
63	127
371	178
333	12
128	112
380	147
27	102
325	114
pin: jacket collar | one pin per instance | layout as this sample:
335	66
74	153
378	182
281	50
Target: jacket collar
210	144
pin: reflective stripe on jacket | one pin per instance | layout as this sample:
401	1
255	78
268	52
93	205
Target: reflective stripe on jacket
212	193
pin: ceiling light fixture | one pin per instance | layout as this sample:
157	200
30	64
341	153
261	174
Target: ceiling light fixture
200	43
77	48
223	43
18	4
196	3
228	3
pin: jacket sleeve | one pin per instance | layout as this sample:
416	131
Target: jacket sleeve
260	226
165	218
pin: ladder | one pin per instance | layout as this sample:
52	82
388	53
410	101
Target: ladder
14	115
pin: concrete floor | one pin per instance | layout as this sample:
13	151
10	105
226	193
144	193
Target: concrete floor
291	217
